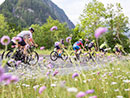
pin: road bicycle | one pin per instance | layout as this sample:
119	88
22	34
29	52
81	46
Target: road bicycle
82	56
31	58
54	55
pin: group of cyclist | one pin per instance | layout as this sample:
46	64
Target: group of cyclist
89	46
27	39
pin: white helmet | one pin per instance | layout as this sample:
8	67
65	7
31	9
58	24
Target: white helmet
80	40
57	43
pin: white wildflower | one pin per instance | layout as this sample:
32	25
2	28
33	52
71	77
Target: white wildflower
35	87
119	96
75	79
84	81
89	80
53	85
116	90
118	68
73	89
127	89
105	92
126	81
113	83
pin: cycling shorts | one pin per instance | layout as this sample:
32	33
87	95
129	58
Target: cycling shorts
75	47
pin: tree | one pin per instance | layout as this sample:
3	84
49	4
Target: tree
93	17
3	26
117	24
44	37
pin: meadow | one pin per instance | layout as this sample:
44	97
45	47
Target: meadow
112	81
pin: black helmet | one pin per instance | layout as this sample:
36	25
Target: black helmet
31	29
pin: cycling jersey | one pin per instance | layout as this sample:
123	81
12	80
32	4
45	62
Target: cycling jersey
90	45
78	43
104	45
23	34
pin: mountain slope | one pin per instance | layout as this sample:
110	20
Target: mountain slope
26	12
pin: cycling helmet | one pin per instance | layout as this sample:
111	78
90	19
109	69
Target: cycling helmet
31	29
80	40
62	41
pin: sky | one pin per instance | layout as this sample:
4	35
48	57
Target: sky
74	8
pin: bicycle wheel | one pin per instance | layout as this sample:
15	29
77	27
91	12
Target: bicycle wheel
93	56
72	57
11	59
32	58
64	56
84	57
53	55
2	56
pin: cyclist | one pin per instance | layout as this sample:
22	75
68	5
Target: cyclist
119	49
103	47
77	48
62	43
91	45
26	39
59	46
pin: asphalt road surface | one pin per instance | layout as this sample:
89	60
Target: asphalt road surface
63	67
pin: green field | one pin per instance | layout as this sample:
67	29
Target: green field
108	82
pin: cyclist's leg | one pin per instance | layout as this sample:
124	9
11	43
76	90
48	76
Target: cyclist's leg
78	48
22	45
58	50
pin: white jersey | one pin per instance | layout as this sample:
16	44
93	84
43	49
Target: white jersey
24	34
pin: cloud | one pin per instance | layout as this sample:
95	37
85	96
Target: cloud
1	1
73	8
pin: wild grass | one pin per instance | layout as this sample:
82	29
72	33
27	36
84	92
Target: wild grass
112	81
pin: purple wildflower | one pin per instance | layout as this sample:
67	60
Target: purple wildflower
40	58
5	40
110	74
90	91
18	62
53	28
42	48
98	73
13	79
80	94
93	97
75	75
55	73
6	77
100	31
57	43
50	66
48	73
42	89
17	39
1	71
68	39
86	40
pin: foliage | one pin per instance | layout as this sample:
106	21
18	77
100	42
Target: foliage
96	15
111	81
23	13
44	37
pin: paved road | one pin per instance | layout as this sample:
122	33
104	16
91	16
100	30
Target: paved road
63	67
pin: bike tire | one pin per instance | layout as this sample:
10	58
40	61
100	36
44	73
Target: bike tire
30	58
13	63
53	54
64	56
72	57
2	56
